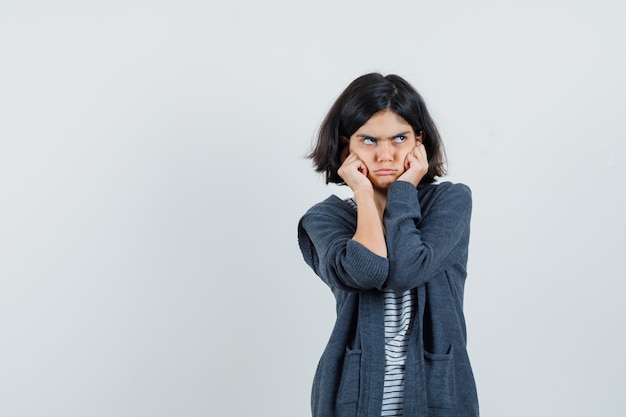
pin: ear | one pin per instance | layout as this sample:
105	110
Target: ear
345	147
419	138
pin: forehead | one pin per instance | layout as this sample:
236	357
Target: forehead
385	122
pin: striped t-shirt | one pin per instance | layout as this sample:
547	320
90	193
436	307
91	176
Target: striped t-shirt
398	310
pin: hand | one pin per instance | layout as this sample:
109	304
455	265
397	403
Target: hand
416	165
354	172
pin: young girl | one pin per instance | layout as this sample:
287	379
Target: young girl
395	258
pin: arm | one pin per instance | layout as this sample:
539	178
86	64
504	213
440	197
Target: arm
369	226
325	238
421	246
345	253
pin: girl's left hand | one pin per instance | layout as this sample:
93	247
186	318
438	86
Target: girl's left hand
416	165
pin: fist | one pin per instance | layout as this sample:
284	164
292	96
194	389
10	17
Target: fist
415	165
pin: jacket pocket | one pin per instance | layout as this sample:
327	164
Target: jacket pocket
440	379
348	392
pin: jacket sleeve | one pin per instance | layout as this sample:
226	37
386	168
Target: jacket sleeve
325	238
422	246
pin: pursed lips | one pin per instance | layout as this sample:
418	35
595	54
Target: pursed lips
385	171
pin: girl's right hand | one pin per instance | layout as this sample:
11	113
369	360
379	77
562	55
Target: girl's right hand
354	172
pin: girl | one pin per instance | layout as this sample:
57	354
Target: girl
395	258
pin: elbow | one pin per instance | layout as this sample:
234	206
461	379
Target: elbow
359	277
405	277
401	285
367	277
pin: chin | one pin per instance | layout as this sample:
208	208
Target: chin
383	182
383	185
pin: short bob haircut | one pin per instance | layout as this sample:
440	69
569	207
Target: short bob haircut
363	98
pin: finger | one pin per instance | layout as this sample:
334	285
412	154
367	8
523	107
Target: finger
352	158
362	168
410	159
421	151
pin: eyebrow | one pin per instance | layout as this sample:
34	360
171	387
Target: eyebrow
392	136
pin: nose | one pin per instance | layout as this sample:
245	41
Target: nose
384	151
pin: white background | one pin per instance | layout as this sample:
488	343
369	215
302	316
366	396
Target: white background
152	174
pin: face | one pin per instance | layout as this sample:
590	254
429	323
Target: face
383	143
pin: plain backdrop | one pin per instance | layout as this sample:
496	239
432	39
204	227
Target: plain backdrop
152	174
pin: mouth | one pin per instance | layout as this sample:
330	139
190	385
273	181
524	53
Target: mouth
385	171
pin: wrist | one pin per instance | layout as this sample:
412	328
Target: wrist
363	193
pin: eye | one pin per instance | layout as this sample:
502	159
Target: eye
369	141
399	139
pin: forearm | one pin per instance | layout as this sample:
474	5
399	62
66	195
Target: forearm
421	247
369	230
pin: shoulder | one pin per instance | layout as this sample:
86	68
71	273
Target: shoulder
331	210
447	193
446	188
324	219
330	204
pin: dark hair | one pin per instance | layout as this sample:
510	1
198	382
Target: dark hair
364	97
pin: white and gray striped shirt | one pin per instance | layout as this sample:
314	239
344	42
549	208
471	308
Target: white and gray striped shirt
398	310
